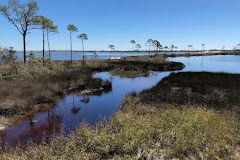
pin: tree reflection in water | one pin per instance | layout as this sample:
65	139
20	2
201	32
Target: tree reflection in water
85	100
75	109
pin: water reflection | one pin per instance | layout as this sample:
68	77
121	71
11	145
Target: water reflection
85	100
33	128
75	108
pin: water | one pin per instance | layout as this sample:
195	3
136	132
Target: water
220	63
101	55
74	108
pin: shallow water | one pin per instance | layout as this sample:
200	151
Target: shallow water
74	109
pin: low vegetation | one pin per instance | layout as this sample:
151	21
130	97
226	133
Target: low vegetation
22	95
142	132
219	91
124	72
137	66
180	118
26	86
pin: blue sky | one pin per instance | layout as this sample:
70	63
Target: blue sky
215	23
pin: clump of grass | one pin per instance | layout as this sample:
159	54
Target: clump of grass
141	132
129	73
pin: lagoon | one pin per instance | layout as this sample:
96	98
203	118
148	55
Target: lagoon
74	108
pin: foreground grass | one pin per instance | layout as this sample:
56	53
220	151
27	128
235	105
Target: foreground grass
141	132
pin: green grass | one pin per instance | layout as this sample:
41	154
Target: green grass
141	132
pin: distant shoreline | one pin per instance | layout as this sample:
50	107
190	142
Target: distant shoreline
136	51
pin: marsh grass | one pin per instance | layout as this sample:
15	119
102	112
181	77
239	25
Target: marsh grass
36	83
129	73
22	95
131	67
141	132
143	128
219	91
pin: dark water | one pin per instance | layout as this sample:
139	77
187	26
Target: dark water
74	109
101	55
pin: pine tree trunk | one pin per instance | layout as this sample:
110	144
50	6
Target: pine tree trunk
83	53
49	53
71	44
43	47
24	47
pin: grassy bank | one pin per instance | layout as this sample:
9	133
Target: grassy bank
213	90
182	117
136	66
142	132
20	96
38	84
34	83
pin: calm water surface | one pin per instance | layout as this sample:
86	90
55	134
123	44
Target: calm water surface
228	64
73	109
101	55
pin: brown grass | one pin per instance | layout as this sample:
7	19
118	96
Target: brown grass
141	132
213	90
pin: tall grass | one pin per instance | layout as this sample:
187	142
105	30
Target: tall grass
141	132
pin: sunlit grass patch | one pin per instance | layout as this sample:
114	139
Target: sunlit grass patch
142	132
